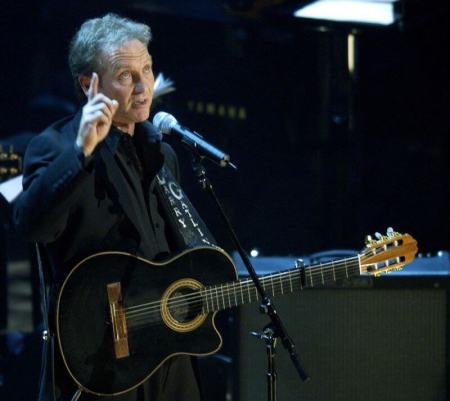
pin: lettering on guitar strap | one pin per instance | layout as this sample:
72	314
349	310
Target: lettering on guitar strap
182	210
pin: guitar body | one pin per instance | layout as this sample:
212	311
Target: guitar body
159	326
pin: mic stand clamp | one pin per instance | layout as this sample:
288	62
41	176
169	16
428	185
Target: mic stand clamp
267	305
269	336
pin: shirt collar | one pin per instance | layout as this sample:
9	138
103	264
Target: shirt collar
144	129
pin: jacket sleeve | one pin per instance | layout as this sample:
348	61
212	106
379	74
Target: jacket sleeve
53	174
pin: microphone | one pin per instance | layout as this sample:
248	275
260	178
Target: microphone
168	124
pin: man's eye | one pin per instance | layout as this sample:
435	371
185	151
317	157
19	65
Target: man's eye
147	69
124	75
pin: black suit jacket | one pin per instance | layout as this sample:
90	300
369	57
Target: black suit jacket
74	205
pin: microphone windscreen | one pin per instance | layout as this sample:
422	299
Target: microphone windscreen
164	122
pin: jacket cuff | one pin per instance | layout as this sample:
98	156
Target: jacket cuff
86	161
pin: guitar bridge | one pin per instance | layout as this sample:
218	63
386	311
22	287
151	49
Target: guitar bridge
118	320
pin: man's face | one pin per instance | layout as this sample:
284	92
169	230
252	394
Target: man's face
127	77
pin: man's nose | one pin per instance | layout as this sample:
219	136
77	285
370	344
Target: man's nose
139	86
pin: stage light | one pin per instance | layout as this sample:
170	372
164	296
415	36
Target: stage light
370	12
254	253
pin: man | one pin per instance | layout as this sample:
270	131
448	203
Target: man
89	180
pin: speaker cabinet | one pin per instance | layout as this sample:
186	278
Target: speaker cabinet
383	343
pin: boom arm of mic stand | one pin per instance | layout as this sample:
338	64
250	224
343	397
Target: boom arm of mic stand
267	304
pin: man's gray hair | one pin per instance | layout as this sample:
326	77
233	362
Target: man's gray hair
98	35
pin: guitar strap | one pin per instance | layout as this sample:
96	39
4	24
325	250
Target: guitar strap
189	228
47	372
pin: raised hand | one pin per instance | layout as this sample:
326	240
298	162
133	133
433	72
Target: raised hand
96	118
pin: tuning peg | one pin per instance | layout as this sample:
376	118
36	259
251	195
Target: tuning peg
378	235
368	240
390	232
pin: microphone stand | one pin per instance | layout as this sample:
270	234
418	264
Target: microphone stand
275	329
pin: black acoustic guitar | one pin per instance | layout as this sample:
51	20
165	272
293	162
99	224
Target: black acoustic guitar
119	317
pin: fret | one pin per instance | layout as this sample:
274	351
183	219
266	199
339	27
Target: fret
256	293
290	281
224	295
281	284
334	272
321	273
271	284
210	305
359	264
242	293
340	271
204	308
249	293
234	292
310	277
356	264
217	298
212	298
227	294
207	302
204	302
204	294
229	297
345	265
223	298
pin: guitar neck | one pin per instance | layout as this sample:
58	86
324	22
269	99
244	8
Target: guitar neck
229	295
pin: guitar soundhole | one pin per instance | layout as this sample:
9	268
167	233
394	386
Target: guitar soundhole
184	304
181	305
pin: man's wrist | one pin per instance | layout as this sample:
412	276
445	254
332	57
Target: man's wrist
85	160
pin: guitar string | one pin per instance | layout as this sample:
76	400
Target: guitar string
154	317
218	294
218	302
214	289
198	298
215	293
277	288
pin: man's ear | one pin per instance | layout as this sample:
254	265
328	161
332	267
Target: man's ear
84	81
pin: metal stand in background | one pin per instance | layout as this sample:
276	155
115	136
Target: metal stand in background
269	337
276	328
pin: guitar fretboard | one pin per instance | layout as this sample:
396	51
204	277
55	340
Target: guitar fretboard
229	295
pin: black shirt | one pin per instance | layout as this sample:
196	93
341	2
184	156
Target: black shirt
151	241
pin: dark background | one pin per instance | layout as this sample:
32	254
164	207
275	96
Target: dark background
324	159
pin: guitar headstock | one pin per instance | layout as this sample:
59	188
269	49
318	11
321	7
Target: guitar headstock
387	252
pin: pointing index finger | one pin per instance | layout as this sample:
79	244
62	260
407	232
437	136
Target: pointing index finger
93	86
